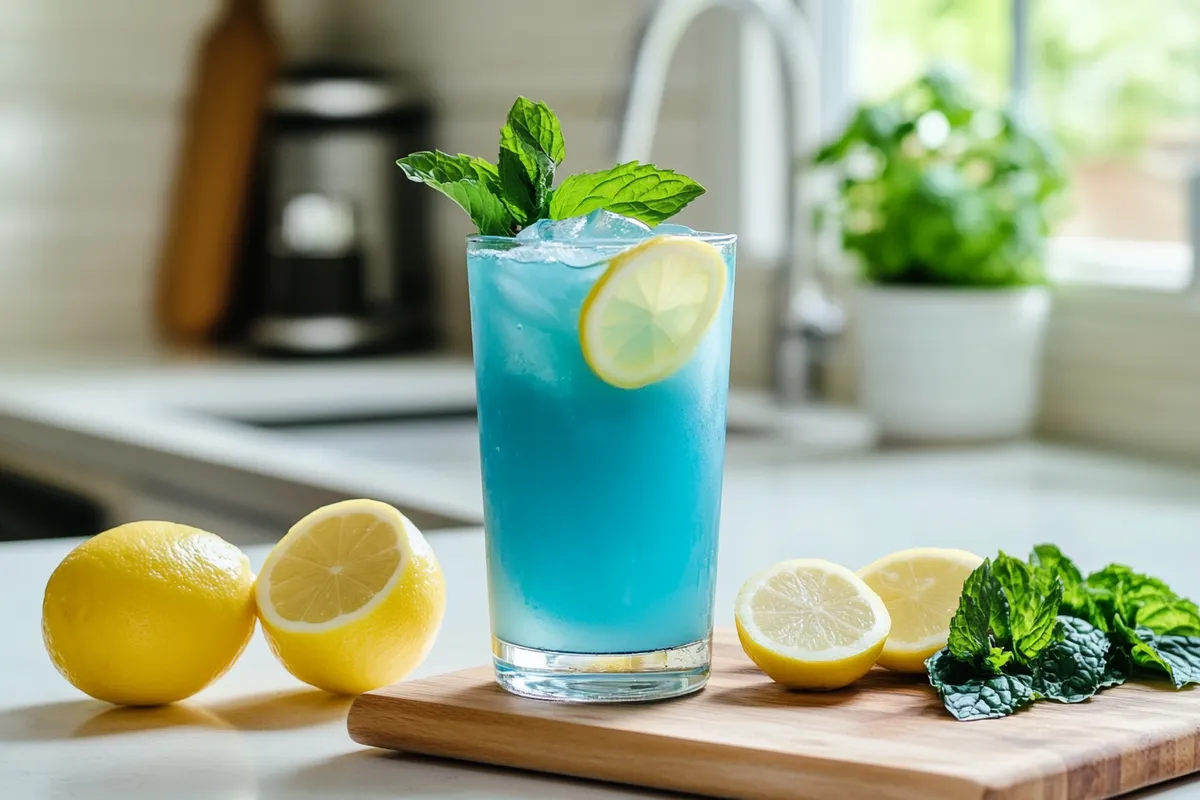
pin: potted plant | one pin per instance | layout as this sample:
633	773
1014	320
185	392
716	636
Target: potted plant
946	204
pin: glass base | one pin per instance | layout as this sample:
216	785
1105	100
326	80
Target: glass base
602	678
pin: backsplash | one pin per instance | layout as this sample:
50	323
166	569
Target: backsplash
94	91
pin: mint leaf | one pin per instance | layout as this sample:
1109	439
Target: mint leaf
531	146
1048	556
1033	604
471	182
968	697
1141	648
1167	617
997	659
981	620
641	191
535	124
487	211
1119	667
1049	560
1177	656
1182	654
1141	601
438	167
522	193
1072	669
1135	590
1109	577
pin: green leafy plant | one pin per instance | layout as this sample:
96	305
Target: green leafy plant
518	190
934	189
1034	630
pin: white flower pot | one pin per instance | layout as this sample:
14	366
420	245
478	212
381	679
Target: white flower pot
951	364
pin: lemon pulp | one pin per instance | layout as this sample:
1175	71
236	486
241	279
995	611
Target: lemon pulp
352	598
811	624
921	589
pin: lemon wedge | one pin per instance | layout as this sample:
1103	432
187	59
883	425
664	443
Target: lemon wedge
920	588
352	598
811	624
646	315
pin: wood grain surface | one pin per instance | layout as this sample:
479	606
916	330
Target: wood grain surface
744	737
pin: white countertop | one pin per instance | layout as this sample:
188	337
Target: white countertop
187	439
257	733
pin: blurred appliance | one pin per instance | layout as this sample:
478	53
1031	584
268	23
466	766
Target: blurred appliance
335	256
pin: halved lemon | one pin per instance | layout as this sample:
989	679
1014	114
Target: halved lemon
648	312
352	598
920	588
811	624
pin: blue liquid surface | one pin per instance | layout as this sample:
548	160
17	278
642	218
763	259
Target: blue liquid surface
601	504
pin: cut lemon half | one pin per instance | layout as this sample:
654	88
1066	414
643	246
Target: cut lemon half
645	316
920	588
352	598
811	624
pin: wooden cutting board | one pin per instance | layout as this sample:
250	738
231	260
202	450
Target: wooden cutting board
744	737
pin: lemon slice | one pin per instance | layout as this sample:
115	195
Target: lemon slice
352	598
811	624
647	313
920	588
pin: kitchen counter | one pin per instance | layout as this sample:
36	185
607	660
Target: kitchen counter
257	733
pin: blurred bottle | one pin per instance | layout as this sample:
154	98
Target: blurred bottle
231	78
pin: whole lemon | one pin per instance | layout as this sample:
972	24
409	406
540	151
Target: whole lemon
148	612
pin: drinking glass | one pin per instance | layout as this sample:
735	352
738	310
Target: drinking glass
601	504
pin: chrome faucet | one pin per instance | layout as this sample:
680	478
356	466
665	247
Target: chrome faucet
805	320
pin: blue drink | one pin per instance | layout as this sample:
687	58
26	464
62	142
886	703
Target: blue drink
601	503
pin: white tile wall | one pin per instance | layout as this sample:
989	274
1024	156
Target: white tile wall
91	90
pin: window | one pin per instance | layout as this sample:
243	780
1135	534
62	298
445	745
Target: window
1118	84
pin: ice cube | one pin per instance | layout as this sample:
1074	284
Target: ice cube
555	230
584	256
525	321
599	224
672	229
534	232
523	294
544	240
539	251
533	251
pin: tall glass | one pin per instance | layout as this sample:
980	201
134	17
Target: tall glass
601	504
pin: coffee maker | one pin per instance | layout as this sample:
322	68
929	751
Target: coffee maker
335	257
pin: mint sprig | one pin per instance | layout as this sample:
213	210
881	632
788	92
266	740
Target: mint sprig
1113	625
1006	614
503	198
1033	602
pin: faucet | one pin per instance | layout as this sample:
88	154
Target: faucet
805	320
